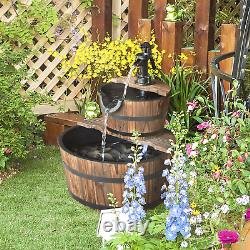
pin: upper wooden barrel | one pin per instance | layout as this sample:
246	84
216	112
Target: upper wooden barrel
141	111
89	181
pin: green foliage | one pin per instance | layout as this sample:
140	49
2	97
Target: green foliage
38	18
135	241
187	86
175	13
19	127
89	109
3	159
87	3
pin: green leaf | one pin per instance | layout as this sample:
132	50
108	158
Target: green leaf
219	199
242	187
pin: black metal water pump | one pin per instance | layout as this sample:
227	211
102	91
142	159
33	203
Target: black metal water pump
142	59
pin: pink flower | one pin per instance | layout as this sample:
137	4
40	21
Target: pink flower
166	122
236	114
203	125
247	215
190	152
228	237
226	138
7	151
229	163
192	105
216	175
204	141
214	136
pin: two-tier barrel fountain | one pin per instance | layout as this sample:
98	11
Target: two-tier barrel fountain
95	153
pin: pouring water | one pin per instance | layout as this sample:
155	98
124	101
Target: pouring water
113	107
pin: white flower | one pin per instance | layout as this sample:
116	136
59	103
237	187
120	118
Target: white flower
206	215
193	174
170	8
167	162
184	244
204	141
198	231
195	145
224	208
243	200
215	215
193	220
199	218
205	149
191	182
192	163
210	190
214	136
222	189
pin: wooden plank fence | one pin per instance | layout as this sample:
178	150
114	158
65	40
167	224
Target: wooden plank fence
129	20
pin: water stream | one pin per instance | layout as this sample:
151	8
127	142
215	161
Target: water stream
104	133
113	107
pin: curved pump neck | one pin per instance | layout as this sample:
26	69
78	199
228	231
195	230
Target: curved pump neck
142	60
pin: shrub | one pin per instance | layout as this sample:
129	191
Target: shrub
19	127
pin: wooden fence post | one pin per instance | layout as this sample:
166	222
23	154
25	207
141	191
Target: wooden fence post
204	32
138	9
159	16
101	19
189	52
228	43
144	29
171	43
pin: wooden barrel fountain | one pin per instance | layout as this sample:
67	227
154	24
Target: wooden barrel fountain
89	180
141	111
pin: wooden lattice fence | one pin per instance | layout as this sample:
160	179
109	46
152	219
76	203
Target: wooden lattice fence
120	19
47	74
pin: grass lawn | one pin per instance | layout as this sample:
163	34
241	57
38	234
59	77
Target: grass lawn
36	211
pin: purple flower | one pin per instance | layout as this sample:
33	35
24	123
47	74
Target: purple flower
247	215
228	237
203	125
135	189
176	201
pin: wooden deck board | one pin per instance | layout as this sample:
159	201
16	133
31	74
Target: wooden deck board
161	142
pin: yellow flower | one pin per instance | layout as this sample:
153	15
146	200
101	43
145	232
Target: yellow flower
173	70
216	169
193	205
196	212
183	57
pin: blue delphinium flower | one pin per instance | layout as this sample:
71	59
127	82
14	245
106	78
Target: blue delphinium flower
176	199
133	195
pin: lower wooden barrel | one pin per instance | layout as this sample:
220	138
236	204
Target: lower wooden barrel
144	112
90	181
